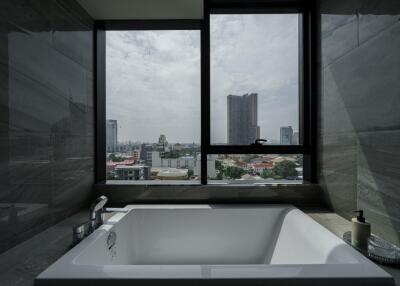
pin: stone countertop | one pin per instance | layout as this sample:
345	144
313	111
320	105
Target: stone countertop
20	265
338	225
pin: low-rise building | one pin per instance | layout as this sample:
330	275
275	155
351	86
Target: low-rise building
283	158
135	155
211	171
172	174
156	160
132	173
259	167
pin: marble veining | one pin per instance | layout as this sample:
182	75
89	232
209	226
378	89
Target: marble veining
46	116
359	130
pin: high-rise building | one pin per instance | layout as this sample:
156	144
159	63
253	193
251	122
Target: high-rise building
162	140
162	143
243	126
286	135
112	135
295	139
144	152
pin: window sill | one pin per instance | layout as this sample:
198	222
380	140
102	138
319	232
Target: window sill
304	194
173	183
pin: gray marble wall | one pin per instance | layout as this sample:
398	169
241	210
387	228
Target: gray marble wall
359	128
46	115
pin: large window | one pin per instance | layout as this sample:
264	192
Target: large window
225	100
254	78
153	105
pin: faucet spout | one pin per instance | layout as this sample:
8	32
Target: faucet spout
97	212
97	205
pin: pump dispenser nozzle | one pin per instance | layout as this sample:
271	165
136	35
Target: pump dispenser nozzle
360	215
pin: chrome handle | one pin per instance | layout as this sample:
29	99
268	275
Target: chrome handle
80	231
259	142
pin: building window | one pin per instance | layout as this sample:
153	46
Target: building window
223	100
257	98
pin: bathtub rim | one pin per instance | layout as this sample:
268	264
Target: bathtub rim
65	267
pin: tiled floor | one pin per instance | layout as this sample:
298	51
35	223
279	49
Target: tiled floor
20	265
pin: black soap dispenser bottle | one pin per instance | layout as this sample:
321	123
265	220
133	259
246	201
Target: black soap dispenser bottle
361	230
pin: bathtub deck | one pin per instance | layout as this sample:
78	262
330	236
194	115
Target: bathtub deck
20	265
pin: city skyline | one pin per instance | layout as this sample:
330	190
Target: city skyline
294	138
147	70
242	125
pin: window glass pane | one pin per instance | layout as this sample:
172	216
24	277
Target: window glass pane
255	168
153	105
254	78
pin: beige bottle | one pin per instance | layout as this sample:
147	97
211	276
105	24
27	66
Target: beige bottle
361	230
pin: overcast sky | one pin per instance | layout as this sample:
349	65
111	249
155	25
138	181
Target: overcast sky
153	77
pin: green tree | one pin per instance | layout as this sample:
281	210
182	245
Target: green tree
218	165
267	173
284	169
234	172
220	169
299	160
172	154
277	177
249	158
111	176
115	158
190	173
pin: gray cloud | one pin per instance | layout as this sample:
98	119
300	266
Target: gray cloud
255	53
153	77
153	84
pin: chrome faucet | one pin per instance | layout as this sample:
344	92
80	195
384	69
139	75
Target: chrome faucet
96	219
80	231
97	212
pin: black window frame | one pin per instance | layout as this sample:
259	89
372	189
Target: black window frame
307	81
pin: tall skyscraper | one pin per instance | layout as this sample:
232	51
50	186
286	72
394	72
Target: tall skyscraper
162	142
243	126
286	135
112	135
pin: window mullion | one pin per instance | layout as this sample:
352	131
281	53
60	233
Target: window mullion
205	91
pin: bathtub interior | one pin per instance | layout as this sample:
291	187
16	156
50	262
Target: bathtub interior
217	236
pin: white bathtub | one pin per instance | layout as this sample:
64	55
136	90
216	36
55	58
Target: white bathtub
213	245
